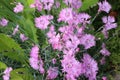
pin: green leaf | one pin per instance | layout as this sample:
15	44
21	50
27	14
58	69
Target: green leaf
30	2
2	65
87	4
9	48
23	73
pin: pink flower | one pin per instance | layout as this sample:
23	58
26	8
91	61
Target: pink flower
15	30
47	4
84	18
3	22
34	51
54	60
34	57
87	41
51	32
36	62
6	75
67	2
104	51
57	4
104	78
71	66
73	3
109	22
55	41
37	4
65	15
89	66
105	33
102	61
19	8
41	68
23	37
52	73
104	6
42	22
76	4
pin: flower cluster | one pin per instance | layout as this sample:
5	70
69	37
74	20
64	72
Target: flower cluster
69	38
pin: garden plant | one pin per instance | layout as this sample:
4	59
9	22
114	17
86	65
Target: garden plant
59	40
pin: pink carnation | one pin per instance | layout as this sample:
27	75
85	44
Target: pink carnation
76	4
37	4
109	22
104	51
65	15
19	8
36	62
71	66
104	6
52	73
47	4
6	75
55	41
3	22
89	66
84	18
87	41
73	3
23	37
42	22
15	30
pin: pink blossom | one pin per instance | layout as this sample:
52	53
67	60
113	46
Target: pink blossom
67	2
41	68
3	22
23	37
105	33
51	32
15	30
54	60
6	75
87	41
47	4
89	66
104	6
36	62
84	18
42	22
65	15
57	4
104	78
37	4
34	57
109	22
71	66
34	51
102	61
19	8
76	4
104	51
52	73
73	3
72	43
55	41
